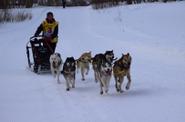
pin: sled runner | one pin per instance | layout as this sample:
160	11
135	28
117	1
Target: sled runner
38	60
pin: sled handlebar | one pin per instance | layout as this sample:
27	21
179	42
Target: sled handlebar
33	37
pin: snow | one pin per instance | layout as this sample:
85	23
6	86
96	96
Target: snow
152	33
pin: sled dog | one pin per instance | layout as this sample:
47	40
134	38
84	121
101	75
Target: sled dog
68	72
121	69
55	65
109	56
83	63
97	60
103	72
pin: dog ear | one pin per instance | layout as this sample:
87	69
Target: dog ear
67	59
128	54
60	62
72	58
59	55
90	52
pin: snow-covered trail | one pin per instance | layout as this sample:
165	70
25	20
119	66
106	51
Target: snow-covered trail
157	90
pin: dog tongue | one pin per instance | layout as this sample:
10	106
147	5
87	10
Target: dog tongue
108	72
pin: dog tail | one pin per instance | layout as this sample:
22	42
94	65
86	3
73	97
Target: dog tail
115	58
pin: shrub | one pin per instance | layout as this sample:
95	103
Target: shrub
6	15
99	4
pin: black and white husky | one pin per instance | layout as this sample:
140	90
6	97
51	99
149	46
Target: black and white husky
103	72
68	71
55	65
97	59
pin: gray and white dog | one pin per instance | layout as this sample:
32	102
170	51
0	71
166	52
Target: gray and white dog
97	59
103	71
68	72
55	65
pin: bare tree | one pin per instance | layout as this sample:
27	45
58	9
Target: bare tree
98	4
29	3
4	4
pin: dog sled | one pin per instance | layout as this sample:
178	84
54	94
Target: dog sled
38	55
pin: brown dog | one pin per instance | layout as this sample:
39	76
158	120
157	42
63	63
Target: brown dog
83	63
121	69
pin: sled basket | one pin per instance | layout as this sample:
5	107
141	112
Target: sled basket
38	60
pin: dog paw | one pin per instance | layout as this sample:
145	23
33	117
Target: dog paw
127	87
83	79
106	91
121	91
101	92
96	81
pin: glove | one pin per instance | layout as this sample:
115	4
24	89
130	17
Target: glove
36	35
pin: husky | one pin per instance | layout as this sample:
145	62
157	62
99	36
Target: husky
103	72
121	69
55	65
69	69
96	60
110	56
83	63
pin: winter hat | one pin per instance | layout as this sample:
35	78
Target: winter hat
50	13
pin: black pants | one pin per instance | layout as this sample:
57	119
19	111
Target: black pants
64	3
53	46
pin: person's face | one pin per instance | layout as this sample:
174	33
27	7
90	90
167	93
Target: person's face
49	17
